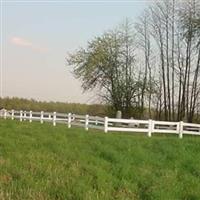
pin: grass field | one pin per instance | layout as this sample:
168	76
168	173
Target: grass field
45	162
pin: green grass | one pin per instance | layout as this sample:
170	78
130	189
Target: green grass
45	162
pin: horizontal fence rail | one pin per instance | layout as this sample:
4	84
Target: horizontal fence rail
107	124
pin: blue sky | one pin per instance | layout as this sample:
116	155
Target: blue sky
38	35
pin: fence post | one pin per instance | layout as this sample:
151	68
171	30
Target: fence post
86	122
96	120
150	127
20	115
41	117
181	129
73	117
24	115
5	114
69	120
54	118
12	114
30	116
106	124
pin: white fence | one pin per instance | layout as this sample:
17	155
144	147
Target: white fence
68	119
106	124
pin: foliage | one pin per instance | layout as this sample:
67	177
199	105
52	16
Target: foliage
108	63
153	64
25	104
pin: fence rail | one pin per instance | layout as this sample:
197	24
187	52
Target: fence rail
106	124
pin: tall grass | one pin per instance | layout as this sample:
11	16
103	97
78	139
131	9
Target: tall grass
45	162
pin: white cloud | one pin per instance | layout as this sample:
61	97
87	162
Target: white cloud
18	41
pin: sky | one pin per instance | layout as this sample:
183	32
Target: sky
36	37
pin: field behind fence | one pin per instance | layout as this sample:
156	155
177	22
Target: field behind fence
105	124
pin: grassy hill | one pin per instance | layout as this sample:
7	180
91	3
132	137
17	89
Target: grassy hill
45	162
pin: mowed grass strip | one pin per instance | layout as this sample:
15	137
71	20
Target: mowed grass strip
39	161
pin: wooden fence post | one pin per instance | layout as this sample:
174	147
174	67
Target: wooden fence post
86	122
30	116
20	115
41	117
54	119
181	129
150	128
12	114
106	124
69	120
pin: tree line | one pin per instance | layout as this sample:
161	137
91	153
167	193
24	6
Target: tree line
31	104
149	68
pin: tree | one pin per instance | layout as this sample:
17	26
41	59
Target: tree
160	70
108	63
